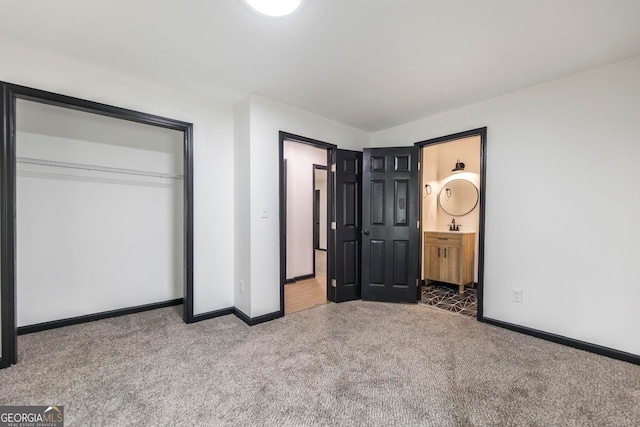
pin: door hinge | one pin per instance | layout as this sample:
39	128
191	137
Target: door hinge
333	167
418	225
417	282
418	165
333	283
333	225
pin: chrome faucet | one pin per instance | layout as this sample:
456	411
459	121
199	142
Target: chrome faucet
453	226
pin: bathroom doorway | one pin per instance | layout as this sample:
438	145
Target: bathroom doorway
451	218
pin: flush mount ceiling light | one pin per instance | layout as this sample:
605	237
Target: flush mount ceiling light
275	8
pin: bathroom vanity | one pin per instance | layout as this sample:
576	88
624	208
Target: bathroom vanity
449	257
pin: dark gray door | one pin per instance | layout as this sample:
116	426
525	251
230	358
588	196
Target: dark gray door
348	215
390	234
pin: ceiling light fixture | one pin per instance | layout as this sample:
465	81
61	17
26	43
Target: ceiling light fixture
275	8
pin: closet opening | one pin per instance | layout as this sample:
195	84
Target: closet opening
97	213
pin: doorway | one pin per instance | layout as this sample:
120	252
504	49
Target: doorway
305	214
393	245
376	246
450	218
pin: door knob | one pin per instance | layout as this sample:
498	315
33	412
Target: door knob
365	232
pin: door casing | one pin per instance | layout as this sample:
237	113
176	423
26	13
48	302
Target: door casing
286	136
9	93
317	196
482	133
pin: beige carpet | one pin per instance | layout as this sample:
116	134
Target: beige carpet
353	364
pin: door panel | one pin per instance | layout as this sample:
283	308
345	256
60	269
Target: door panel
378	261
350	257
377	202
400	263
348	196
350	210
401	194
390	238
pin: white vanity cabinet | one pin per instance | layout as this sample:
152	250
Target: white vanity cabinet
449	257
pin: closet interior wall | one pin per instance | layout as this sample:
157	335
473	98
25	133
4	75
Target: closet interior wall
99	216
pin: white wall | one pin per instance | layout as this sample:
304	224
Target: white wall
242	207
213	151
562	211
300	160
559	163
91	241
267	118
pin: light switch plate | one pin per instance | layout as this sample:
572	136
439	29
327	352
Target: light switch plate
264	211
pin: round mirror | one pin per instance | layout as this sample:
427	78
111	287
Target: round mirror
458	197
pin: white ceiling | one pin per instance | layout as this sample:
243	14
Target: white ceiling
372	64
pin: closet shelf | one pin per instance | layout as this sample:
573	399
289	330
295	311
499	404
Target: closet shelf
68	165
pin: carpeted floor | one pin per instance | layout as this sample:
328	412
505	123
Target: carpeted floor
353	364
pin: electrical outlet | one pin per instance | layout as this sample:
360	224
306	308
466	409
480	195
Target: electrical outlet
516	295
242	286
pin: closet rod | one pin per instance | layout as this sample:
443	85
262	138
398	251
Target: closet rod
54	163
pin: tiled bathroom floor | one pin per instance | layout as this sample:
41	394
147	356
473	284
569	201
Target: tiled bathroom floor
447	298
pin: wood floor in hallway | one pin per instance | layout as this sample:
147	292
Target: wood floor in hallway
308	293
